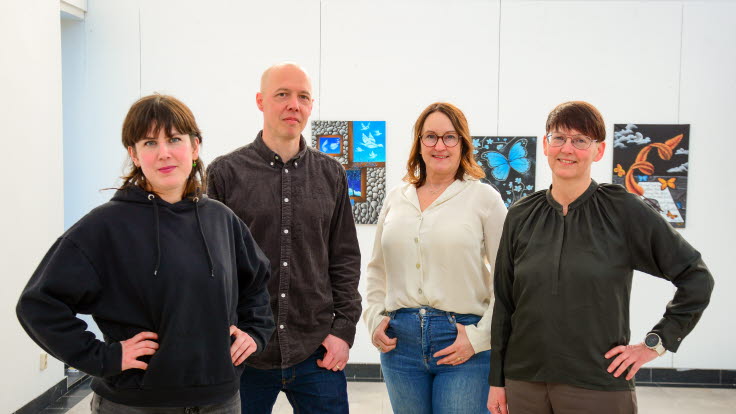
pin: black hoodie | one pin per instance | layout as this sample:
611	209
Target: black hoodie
186	271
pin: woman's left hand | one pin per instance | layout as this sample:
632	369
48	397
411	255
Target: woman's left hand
629	356
242	347
460	351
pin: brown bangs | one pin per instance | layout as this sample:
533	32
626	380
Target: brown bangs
155	113
580	116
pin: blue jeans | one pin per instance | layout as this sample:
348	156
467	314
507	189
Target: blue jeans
309	388
416	384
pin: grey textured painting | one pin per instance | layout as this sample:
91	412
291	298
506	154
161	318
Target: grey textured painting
360	146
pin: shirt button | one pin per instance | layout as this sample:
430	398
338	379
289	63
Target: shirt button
286	170
296	165
286	200
286	231
281	326
418	265
271	163
283	295
284	264
416	240
275	157
420	291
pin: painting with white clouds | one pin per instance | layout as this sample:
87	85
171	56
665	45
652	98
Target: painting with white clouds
651	161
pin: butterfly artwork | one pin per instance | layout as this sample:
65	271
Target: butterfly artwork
502	164
509	164
619	170
654	165
670	182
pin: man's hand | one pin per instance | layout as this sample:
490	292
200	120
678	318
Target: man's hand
460	351
336	357
380	340
497	401
633	356
242	347
135	347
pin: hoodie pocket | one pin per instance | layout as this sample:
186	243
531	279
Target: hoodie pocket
186	360
126	380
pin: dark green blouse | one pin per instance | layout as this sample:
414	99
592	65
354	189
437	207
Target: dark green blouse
562	286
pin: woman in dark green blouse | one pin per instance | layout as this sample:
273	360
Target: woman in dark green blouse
560	330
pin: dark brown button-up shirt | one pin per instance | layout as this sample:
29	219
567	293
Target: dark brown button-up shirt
299	212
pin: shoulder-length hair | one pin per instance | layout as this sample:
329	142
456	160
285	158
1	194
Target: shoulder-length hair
416	170
149	116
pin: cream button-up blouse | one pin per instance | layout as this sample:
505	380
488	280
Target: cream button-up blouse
438	257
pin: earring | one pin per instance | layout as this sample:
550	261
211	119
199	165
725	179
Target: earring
194	163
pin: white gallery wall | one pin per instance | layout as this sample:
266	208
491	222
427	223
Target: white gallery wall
505	63
32	213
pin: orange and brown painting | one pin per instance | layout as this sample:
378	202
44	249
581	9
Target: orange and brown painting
651	161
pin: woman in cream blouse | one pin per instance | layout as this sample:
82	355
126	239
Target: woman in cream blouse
430	290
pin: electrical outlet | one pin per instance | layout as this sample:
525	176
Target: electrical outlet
44	361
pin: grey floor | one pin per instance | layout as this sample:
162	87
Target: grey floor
371	398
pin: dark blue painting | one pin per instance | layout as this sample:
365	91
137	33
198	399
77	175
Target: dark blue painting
355	183
509	164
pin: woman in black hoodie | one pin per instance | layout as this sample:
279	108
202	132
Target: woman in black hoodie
174	280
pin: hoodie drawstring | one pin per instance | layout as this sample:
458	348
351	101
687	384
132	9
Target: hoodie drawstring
201	232
158	233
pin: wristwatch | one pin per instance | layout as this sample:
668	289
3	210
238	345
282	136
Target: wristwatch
654	342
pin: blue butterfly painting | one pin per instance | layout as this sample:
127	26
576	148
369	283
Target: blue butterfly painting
501	164
509	164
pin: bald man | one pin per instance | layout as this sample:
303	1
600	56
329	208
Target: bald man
295	201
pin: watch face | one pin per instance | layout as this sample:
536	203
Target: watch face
651	340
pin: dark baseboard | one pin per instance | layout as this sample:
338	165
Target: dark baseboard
696	378
646	377
45	399
364	372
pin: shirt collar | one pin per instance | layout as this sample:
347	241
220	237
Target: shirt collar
578	201
273	158
457	186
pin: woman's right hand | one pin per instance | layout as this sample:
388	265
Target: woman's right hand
497	401
137	346
380	339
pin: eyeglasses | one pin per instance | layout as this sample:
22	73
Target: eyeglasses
430	139
580	142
